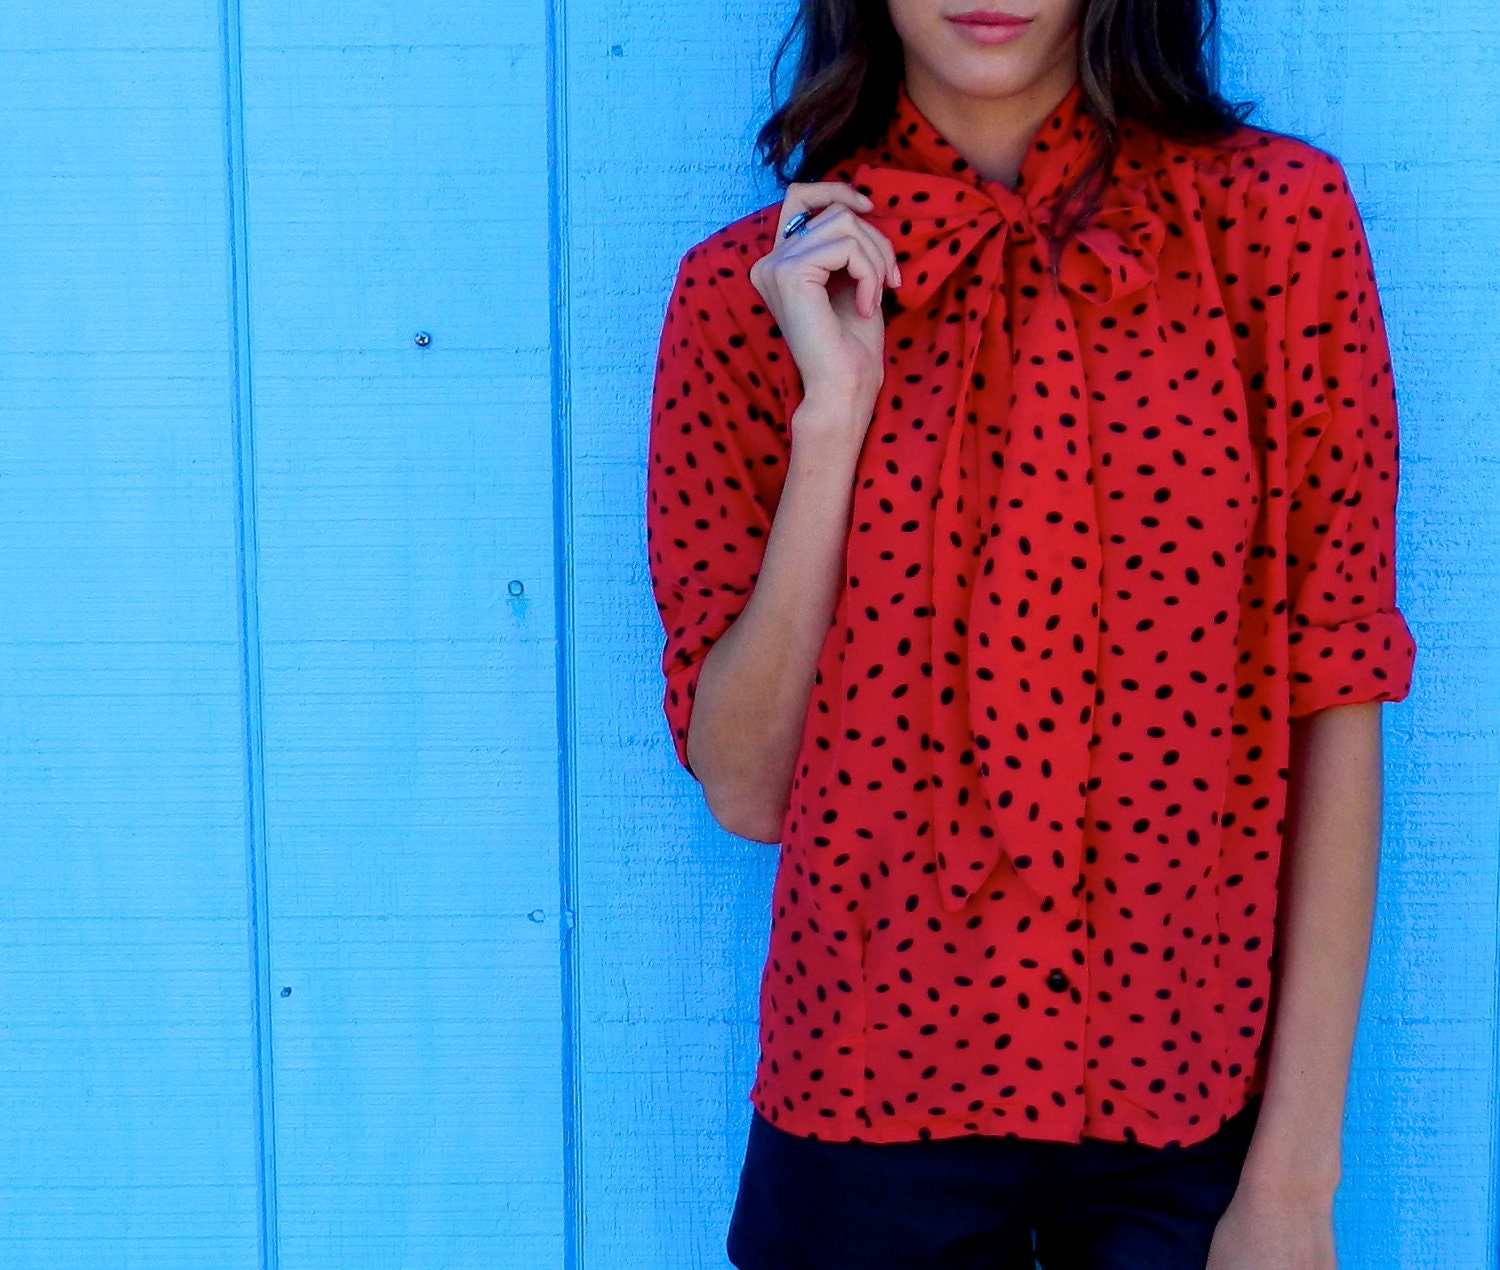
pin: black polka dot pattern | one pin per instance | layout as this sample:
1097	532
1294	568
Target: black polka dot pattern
1114	526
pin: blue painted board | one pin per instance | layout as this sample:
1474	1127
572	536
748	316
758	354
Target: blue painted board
397	175
127	1134
660	109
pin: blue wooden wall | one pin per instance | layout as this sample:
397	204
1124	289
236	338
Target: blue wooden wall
353	911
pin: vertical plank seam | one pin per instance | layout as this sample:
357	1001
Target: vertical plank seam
562	534
1494	1196
246	561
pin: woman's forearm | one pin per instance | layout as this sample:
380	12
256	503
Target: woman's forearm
1327	902
755	682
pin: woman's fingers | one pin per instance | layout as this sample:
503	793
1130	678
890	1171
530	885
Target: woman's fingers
833	246
822	285
838	225
877	242
835	201
882	247
813	196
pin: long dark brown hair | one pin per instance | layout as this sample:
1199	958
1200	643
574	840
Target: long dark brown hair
1141	60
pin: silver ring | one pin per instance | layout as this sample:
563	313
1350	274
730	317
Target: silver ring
797	225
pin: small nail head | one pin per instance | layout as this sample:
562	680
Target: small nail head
422	339
286	992
537	915
516	587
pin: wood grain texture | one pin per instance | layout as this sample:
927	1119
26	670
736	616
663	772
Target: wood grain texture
126	1065
662	102
398	184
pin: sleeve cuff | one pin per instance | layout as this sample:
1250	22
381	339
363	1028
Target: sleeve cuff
1363	659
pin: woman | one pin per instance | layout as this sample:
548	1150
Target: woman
1021	513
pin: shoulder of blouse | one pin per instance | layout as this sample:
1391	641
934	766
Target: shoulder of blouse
725	256
1253	173
1245	182
1255	188
1247	151
713	283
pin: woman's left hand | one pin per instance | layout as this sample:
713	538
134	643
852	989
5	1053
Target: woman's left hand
1274	1231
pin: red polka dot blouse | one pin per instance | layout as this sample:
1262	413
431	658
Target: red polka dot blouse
1115	523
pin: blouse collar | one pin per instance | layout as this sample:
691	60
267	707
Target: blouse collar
1063	146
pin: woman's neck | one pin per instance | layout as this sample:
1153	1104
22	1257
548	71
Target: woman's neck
992	133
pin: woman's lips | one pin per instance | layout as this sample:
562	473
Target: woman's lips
991	28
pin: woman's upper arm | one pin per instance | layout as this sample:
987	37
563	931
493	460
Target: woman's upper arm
716	463
1349	641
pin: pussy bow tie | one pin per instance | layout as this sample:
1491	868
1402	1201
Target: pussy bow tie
1017	572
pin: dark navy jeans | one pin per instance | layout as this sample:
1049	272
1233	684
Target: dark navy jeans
982	1203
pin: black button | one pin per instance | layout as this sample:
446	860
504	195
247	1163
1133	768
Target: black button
1057	981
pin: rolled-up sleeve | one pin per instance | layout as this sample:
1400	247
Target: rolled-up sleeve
1349	641
717	462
